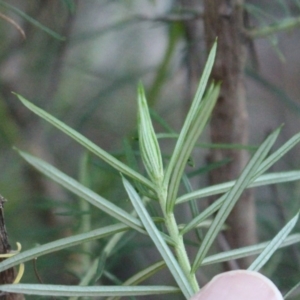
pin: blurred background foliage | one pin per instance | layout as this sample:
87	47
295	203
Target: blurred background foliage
81	61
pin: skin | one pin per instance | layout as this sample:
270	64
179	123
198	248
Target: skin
237	285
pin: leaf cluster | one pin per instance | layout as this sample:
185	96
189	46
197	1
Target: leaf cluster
161	184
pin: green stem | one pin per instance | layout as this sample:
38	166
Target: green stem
177	238
180	250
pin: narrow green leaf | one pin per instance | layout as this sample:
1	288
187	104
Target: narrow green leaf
87	143
100	267
160	244
196	128
291	291
247	251
191	114
112	245
232	197
145	274
142	275
203	81
32	21
193	207
85	218
211	209
273	245
61	244
271	178
274	157
149	146
87	291
75	187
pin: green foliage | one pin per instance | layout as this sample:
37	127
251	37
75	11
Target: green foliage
149	147
163	184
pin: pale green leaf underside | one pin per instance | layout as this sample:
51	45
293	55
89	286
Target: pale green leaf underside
247	251
61	244
232	197
115	163
225	187
274	157
196	127
211	209
271	178
82	191
292	291
191	114
273	245
90	291
149	146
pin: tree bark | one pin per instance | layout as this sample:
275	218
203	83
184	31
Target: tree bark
224	19
8	275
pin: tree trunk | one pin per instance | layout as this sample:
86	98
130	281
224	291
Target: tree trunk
8	275
224	19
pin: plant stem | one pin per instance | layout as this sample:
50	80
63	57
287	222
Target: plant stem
85	222
180	250
177	238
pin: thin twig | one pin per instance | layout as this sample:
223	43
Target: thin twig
172	17
36	272
14	23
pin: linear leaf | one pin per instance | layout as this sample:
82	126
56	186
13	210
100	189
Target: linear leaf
145	274
195	129
142	275
232	197
160	244
87	291
191	114
61	244
193	207
75	187
211	209
270	178
247	251
273	245
118	165
291	291
274	157
262	180
149	146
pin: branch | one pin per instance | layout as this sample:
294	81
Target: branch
175	17
14	23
